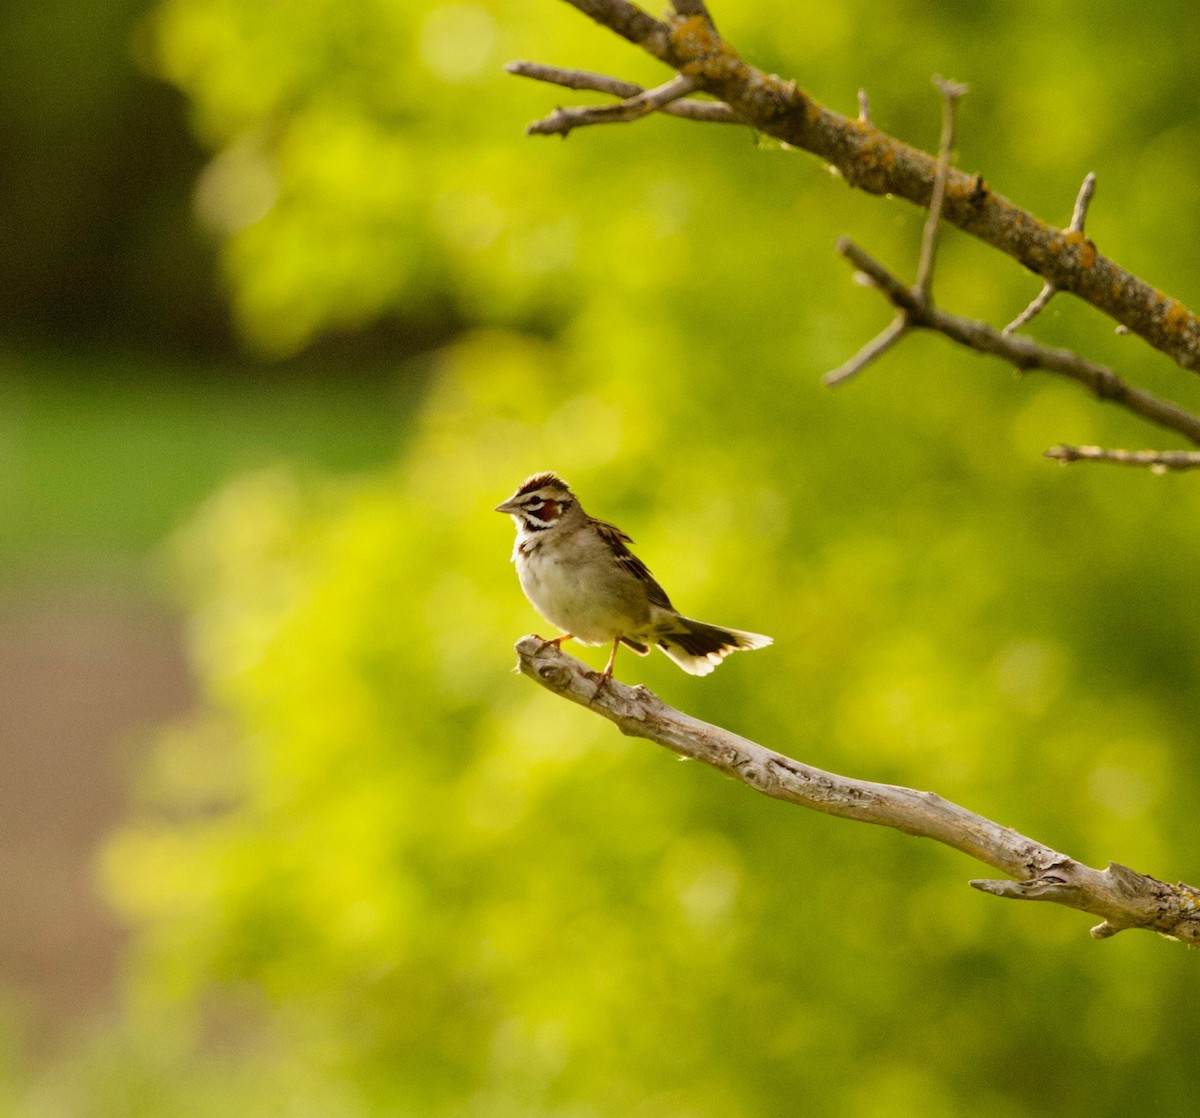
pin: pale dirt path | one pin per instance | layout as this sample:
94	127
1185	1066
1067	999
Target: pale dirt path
84	677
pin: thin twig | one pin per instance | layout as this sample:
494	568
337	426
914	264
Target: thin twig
1042	299
923	289
574	79
864	107
1036	305
710	112
1157	461
1082	201
562	121
1022	352
1122	897
875	348
951	92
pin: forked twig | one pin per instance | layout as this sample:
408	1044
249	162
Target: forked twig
562	121
709	112
1042	299
923	289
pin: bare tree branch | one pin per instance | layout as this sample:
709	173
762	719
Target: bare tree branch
630	22
574	79
878	163
1157	461
712	112
562	121
1021	352
1121	897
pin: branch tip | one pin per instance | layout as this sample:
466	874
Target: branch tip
985	885
1082	201
950	90
864	107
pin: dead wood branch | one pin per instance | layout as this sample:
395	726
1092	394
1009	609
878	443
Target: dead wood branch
1121	897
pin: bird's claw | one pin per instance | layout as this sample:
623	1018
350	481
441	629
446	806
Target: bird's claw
600	686
557	642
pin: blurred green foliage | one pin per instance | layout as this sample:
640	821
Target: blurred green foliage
380	875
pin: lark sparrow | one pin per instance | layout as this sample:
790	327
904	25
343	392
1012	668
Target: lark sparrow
580	576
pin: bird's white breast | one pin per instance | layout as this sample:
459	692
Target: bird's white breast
569	584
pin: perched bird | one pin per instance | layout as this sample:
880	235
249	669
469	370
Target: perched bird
580	576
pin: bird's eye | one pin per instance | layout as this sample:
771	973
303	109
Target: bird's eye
535	504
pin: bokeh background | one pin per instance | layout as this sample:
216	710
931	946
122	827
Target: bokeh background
289	303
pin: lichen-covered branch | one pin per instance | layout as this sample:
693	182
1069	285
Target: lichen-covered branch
1121	897
872	160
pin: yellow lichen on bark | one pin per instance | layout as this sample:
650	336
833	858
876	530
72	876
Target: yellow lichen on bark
1176	316
1087	250
709	57
701	54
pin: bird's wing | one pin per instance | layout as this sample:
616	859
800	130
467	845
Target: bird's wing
616	540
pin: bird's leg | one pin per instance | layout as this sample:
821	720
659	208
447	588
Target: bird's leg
557	641
606	675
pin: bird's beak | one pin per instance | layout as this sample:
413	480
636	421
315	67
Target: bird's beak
506	506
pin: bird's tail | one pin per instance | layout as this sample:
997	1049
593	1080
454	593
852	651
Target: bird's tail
699	647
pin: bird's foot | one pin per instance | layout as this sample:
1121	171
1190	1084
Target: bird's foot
602	683
557	642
